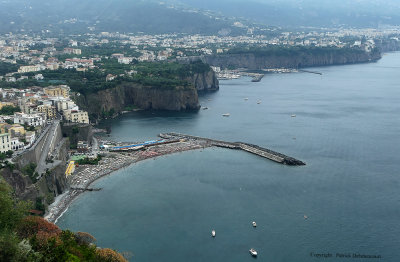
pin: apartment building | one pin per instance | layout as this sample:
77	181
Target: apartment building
57	91
29	119
76	116
49	110
5	142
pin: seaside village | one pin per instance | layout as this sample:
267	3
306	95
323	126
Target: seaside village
24	113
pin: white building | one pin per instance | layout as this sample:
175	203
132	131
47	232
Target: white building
16	144
5	142
30	138
29	119
125	60
64	104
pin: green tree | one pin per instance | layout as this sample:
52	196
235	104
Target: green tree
11	210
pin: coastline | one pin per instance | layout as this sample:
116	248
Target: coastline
86	175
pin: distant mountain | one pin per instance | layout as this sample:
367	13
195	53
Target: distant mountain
190	16
316	13
77	16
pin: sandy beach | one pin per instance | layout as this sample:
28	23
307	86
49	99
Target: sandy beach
85	175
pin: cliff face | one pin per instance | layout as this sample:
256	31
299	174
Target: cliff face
205	82
388	45
252	61
50	185
113	101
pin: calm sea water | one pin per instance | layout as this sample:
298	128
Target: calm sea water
346	129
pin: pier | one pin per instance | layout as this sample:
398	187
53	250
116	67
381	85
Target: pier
85	189
257	78
308	71
253	149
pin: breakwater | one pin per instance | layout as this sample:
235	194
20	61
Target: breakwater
253	149
309	71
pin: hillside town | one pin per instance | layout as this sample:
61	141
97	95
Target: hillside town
26	112
32	54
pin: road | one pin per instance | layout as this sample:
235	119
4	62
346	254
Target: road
47	145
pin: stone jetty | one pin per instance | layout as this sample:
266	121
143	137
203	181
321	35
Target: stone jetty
254	149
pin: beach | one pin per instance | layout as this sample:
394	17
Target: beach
85	175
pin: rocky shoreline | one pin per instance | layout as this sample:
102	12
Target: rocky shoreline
85	175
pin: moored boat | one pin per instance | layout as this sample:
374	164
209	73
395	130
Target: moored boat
213	233
253	252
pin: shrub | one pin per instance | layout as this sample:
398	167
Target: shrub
33	225
109	255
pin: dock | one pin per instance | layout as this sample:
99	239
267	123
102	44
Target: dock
309	71
250	148
257	78
85	189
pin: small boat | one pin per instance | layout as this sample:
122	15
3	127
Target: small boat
205	108
246	99
254	224
293	115
226	115
305	217
259	102
253	252
213	233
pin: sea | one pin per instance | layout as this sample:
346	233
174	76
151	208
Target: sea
344	205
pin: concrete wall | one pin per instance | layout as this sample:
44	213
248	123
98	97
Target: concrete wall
33	154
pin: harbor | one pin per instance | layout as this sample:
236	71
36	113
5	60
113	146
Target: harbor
80	177
256	75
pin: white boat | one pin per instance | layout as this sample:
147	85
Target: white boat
259	102
226	115
254	224
246	99
293	115
213	233
253	252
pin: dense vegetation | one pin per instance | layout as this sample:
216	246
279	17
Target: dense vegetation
9	110
151	74
7	68
26	238
5	155
88	161
29	170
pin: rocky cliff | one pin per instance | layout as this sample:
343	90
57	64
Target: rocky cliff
256	62
110	102
205	81
388	45
43	191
